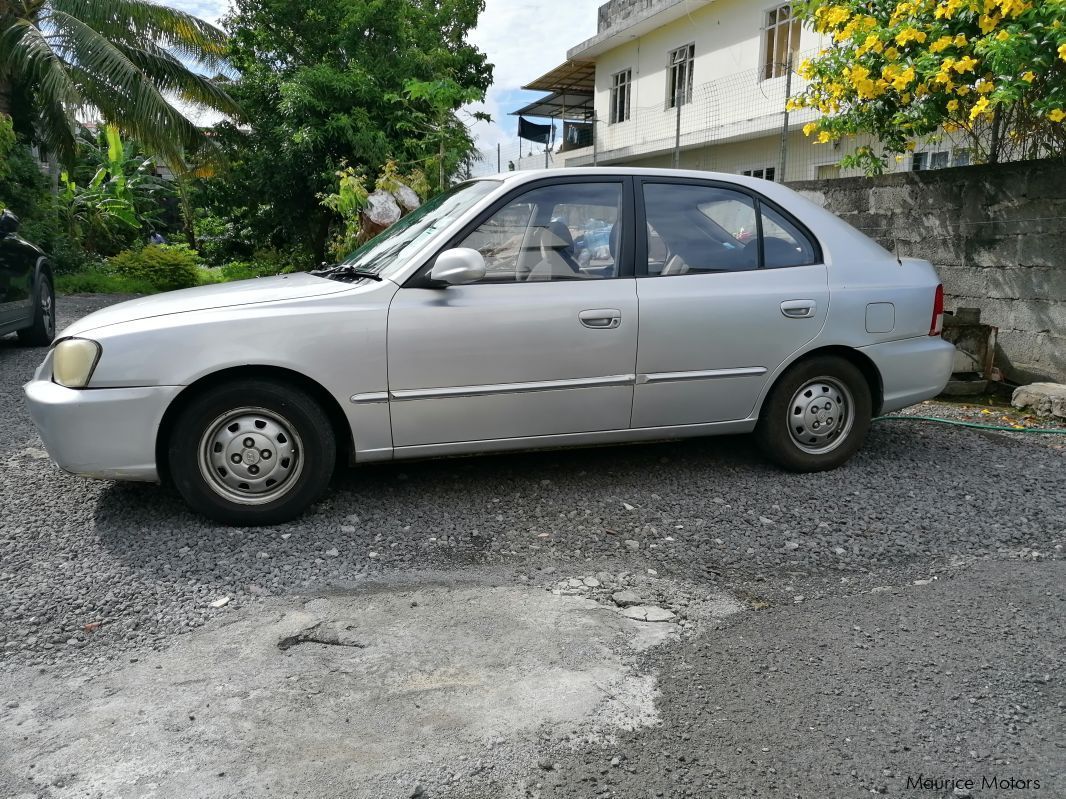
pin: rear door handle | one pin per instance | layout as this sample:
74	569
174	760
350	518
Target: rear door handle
601	318
799	309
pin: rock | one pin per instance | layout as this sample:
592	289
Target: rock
221	602
633	545
418	791
647	613
627	506
591	582
624	599
347	528
764	520
791	545
332	553
922	582
1045	399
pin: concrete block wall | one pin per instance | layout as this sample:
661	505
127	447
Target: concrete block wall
997	235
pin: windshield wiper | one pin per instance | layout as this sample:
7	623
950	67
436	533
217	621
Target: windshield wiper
346	270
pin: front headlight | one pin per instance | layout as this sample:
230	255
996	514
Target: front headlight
73	362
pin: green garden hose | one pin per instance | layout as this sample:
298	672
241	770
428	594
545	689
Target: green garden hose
1060	432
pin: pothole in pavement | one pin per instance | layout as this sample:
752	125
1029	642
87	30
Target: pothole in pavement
327	633
372	692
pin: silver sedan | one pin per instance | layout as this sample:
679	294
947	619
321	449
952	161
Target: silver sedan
537	309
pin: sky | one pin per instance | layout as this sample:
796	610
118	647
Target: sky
522	38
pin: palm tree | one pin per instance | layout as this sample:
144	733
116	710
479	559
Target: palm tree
125	60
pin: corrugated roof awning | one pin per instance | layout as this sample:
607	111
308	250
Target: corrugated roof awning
570	76
565	105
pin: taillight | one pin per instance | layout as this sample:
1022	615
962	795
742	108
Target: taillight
937	325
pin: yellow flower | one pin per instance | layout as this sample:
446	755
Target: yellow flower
871	43
824	137
963	91
979	108
960	40
965	64
1062	51
985	86
903	79
1002	36
953	106
1057	115
987	23
947	8
891	53
910	35
810	128
941	44
1029	77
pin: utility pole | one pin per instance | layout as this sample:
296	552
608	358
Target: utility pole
595	143
784	124
499	162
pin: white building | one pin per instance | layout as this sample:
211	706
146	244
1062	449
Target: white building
700	84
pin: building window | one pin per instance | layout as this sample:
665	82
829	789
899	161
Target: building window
765	172
931	160
679	75
621	83
781	37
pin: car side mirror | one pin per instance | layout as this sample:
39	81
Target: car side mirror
9	223
458	266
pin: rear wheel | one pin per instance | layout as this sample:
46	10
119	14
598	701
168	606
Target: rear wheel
816	416
43	329
249	453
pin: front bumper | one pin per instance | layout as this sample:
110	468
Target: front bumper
108	433
912	369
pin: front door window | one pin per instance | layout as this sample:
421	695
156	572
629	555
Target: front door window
561	232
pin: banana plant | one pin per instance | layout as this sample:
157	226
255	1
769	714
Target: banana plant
120	197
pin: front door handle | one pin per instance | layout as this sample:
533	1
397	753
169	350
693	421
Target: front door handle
798	309
601	318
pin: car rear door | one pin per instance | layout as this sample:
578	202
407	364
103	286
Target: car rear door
545	345
729	286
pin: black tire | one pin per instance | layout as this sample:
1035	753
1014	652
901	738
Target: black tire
792	429
292	439
43	330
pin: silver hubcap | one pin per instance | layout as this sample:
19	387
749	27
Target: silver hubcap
820	415
47	316
250	456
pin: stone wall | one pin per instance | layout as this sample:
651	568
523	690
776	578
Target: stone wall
997	235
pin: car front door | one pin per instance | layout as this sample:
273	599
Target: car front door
544	345
729	286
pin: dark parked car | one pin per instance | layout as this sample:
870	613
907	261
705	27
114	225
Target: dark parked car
27	294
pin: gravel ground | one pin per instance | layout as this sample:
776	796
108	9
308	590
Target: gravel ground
91	573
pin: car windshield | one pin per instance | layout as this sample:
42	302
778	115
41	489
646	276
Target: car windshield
417	227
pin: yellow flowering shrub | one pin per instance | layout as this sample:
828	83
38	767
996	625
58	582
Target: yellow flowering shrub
991	70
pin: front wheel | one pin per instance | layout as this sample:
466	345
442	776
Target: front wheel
253	452
816	416
43	329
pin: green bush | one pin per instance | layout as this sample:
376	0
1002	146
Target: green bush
99	281
164	266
